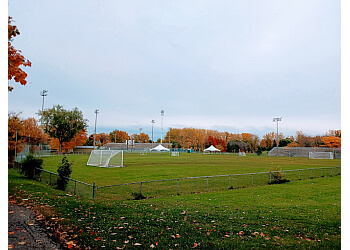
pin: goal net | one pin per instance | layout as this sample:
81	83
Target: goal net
241	153
106	158
321	155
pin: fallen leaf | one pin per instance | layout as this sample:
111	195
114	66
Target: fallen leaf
137	244
22	243
10	246
195	245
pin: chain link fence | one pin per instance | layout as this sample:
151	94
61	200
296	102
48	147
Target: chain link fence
182	186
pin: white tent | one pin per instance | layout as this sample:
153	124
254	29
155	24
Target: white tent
160	148
211	149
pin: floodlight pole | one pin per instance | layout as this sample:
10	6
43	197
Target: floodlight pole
43	94
153	121
140	134
277	119
96	111
161	137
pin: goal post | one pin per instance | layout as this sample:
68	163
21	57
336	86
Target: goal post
321	155
106	158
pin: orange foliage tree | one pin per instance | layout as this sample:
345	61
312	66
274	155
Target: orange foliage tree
118	136
79	139
15	59
332	141
15	126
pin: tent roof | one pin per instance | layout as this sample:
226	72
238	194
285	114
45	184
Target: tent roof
211	148
159	148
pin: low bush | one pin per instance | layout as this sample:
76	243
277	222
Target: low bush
31	166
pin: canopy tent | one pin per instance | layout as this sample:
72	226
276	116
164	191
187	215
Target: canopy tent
211	149
160	148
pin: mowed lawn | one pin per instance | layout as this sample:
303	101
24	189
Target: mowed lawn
296	215
159	166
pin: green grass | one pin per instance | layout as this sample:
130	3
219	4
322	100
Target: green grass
296	215
163	166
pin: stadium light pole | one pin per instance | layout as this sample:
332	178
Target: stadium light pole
140	134
43	94
277	119
96	112
153	121
161	128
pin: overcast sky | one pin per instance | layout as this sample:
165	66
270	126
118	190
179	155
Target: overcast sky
224	65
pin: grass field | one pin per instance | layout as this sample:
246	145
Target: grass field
162	166
296	215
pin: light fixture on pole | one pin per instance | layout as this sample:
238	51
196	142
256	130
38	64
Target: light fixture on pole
43	94
96	111
140	133
161	136
277	119
153	121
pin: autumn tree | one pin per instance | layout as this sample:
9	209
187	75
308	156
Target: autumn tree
15	59
33	133
15	126
79	140
118	136
102	138
63	124
332	141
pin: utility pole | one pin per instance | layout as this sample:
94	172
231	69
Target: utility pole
278	119
43	94
161	128
96	111
153	121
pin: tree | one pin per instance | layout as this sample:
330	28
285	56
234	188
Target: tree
15	126
15	59
64	171
332	141
31	166
32	133
63	124
118	136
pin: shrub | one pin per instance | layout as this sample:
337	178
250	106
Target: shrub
64	171
138	196
31	166
277	176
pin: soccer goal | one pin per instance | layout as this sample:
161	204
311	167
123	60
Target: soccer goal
241	153
106	158
321	155
175	153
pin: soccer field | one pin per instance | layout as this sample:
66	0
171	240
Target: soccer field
142	168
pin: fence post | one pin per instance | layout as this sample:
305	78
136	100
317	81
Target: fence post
270	177
285	175
322	172
310	173
50	178
299	175
94	191
207	184
75	187
230	183
252	179
140	188
34	173
178	180
331	172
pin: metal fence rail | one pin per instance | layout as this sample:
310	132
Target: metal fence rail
181	186
200	184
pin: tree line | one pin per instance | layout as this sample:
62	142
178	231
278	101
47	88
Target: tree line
64	129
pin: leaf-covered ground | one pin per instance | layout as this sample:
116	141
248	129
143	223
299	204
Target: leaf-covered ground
304	214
